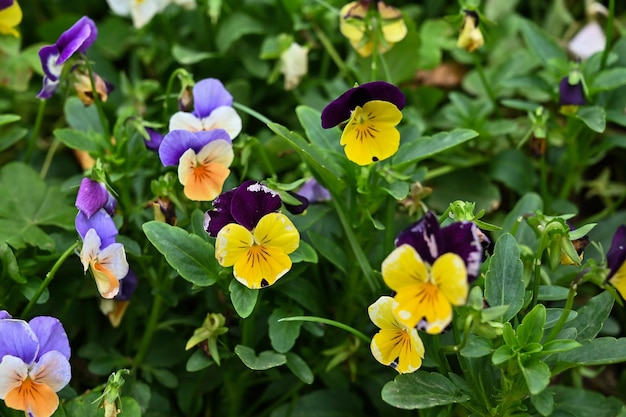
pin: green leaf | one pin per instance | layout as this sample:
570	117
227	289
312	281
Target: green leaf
165	377
9	264
8	118
322	403
584	403
609	80
528	204
502	354
304	253
329	250
29	203
477	347
422	390
559	345
504	283
592	316
540	43
234	27
198	361
283	334
190	255
415	149
537	375
531	329
11	136
601	351
242	297
299	368
75	139
465	185
513	168
266	360
398	190
593	116
188	56
543	402
554	314
80	117
324	139
552	293
30	289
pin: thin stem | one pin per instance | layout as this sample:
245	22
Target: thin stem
252	113
168	90
483	80
536	279
48	161
609	33
328	45
32	142
153	320
569	303
49	277
331	323
96	99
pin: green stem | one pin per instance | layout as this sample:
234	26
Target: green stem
252	113
153	320
536	279
96	99
609	34
32	142
48	161
328	45
331	323
168	90
569	303
49	277
483	80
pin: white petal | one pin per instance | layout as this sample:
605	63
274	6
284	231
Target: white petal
219	151
91	248
120	7
589	40
52	369
186	165
223	117
294	65
113	258
13	371
185	121
143	11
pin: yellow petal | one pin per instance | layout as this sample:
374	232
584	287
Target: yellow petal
404	267
353	27
9	19
394	28
402	349
106	281
381	313
261	266
232	242
371	135
38	399
450	275
618	280
276	230
422	302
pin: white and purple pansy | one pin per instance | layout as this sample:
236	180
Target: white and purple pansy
34	364
212	110
202	157
76	39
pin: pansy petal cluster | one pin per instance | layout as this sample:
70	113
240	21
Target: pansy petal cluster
202	157
372	111
10	17
471	37
34	364
430	271
100	253
76	39
616	259
212	110
252	236
395	344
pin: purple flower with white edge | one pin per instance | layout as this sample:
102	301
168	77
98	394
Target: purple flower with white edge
78	38
101	222
314	191
34	364
203	158
155	139
212	110
93	196
616	260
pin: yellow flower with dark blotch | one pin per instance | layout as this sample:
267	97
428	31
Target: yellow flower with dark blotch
425	292
395	345
616	261
355	25
471	38
10	17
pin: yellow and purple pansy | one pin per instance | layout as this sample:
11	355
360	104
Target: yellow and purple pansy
571	91
616	259
76	39
202	157
34	364
395	344
212	110
372	111
430	271
251	235
10	17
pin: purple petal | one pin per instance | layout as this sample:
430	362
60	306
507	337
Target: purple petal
424	236
5	4
101	222
251	201
53	370
49	56
155	139
177	142
297	209
18	340
78	38
314	191
208	95
48	89
462	238
4	315
616	255
127	287
571	94
51	335
220	216
339	110
92	196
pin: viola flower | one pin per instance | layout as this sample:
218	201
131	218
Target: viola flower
314	192
373	110
155	139
251	235
10	17
354	24
571	93
115	308
78	38
93	196
34	364
430	271
141	11
616	259
471	38
395	345
107	263
85	93
203	159
212	110
294	65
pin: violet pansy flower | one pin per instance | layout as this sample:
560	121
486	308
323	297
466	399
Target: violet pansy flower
203	158
34	364
93	196
314	191
251	235
78	38
212	110
571	94
616	259
155	139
